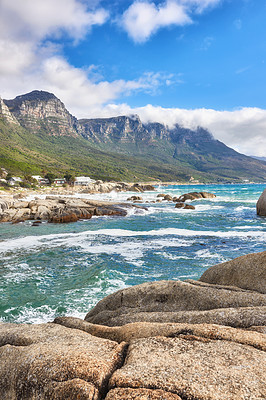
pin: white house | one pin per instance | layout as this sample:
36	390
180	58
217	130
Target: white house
59	181
14	180
83	181
40	180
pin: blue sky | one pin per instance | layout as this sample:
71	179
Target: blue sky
192	62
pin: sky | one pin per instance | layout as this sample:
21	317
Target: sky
191	62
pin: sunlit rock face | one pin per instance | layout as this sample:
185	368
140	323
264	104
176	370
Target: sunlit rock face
6	114
39	109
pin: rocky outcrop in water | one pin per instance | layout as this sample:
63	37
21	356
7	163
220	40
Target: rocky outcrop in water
59	209
195	195
261	205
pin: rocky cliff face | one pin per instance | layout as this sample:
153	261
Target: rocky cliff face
6	114
40	109
125	129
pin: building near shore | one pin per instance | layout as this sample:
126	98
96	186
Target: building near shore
83	181
15	180
41	180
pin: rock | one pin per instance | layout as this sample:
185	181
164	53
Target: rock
49	361
153	301
261	204
140	394
185	197
247	272
4	205
238	317
161	195
254	337
64	217
189	207
62	210
167	197
179	205
196	195
207	195
193	367
135	198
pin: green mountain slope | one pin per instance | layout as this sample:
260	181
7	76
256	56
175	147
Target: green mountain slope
38	133
23	152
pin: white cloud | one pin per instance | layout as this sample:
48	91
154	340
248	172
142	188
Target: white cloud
143	18
36	19
25	27
243	129
77	88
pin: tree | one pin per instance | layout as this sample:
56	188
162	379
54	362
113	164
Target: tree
51	177
70	178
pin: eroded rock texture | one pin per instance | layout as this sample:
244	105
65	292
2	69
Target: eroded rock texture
49	361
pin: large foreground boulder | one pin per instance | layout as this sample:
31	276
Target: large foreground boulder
261	204
192	368
154	362
247	272
50	361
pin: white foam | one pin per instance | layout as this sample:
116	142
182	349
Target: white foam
82	239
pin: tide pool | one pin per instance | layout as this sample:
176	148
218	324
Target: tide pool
54	270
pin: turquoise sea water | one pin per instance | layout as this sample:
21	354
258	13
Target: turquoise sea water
54	270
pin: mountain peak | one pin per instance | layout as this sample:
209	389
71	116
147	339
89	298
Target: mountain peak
40	95
40	109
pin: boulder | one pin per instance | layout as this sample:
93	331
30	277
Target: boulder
179	205
247	272
252	337
167	197
261	204
189	207
49	361
193	367
196	195
164	301
207	195
4	205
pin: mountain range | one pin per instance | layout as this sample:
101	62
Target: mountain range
38	134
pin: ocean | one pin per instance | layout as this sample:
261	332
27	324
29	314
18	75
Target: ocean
65	269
